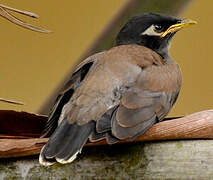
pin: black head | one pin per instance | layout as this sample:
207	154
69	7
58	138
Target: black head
154	31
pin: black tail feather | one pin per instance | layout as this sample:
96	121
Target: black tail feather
66	142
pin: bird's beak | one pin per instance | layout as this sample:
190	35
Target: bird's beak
176	27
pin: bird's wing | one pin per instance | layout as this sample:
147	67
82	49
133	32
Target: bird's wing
141	106
147	102
66	93
144	102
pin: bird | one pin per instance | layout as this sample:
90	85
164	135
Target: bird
117	94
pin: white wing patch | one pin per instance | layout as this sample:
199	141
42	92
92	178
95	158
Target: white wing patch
151	32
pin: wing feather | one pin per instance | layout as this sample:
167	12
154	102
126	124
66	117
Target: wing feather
67	91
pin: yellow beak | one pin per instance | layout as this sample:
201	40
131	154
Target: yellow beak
176	27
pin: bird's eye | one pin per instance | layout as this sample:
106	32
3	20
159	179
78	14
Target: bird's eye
153	30
158	28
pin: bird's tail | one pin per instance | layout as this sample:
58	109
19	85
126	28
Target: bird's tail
65	143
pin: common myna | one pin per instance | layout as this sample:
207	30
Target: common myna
117	94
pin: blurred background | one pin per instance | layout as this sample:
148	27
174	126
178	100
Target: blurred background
34	66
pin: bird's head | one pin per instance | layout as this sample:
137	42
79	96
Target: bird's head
154	31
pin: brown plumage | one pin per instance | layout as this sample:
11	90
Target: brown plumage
117	94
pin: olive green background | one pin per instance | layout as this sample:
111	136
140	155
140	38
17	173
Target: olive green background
32	64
